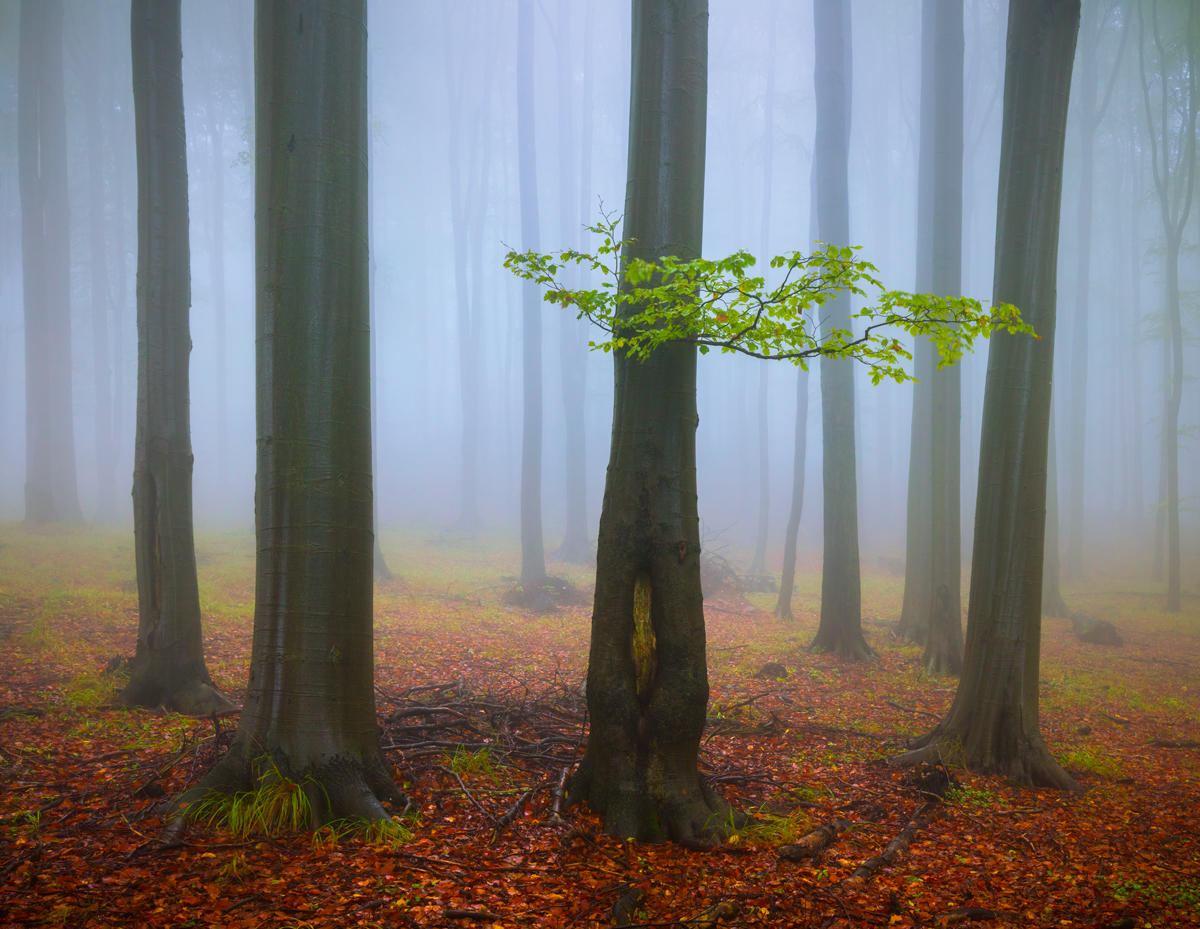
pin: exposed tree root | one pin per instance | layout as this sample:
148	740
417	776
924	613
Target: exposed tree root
195	697
1029	763
815	842
895	848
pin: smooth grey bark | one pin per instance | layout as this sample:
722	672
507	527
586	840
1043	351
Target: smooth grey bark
381	569
639	771
572	338
1176	170
465	214
918	575
51	491
106	476
216	259
758	566
943	32
533	549
840	630
1090	116
117	132
310	706
1052	599
168	668
992	725
787	581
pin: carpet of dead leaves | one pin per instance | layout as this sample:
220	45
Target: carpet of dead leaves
80	778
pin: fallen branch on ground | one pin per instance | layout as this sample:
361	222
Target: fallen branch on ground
815	842
895	849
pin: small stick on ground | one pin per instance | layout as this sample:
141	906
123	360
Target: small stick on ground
895	849
815	842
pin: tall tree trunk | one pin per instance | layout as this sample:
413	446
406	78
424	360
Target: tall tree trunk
1052	600
168	668
381	569
992	725
647	686
310	708
106	475
572	341
918	598
462	199
942	32
1177	170
533	551
1091	27
216	258
840	631
758	566
118	124
787	582
51	492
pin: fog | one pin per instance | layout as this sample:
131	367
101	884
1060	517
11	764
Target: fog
443	104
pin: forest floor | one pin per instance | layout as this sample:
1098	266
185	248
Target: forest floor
80	776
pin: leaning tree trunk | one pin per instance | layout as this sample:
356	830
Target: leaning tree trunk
840	631
51	492
533	549
787	581
942	41
992	726
647	685
168	668
310	709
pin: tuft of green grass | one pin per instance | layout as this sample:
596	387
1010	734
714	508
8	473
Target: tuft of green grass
95	688
478	763
772	831
277	805
1094	762
1182	892
971	797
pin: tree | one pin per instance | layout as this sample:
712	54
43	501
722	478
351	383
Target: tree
647	678
88	58
310	707
533	550
939	269
992	725
758	565
787	580
1092	28
1052	599
168	668
840	630
572	343
1173	157
51	492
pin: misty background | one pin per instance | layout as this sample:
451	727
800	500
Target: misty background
444	204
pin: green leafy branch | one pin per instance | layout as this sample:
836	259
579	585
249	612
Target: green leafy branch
721	304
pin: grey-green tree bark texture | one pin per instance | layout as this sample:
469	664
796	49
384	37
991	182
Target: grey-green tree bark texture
168	668
51	492
840	630
310	706
992	725
639	771
942	64
533	549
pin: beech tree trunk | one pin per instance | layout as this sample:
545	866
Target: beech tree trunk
1052	600
1174	182
647	686
758	566
216	258
942	41
787	581
840	631
51	491
106	475
168	668
533	549
310	708
992	725
572	342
